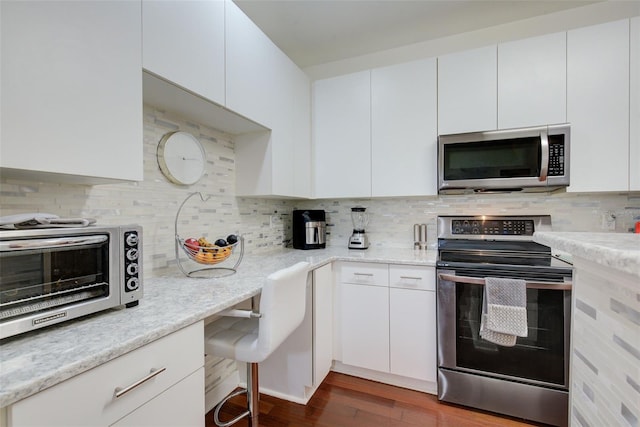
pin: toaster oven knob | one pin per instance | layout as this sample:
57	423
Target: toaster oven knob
132	284
132	239
132	254
132	269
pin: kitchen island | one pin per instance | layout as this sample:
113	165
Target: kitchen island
605	341
38	360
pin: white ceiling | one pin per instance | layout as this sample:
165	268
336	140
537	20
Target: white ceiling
313	32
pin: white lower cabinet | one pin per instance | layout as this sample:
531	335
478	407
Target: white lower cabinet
174	396
386	323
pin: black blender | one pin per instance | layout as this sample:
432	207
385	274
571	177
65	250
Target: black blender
360	219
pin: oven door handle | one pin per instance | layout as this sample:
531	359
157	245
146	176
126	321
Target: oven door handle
554	286
60	242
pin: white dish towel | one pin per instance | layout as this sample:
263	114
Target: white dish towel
504	311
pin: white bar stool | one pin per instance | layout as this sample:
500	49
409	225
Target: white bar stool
251	337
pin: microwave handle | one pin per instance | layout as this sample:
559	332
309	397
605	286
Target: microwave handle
59	242
544	147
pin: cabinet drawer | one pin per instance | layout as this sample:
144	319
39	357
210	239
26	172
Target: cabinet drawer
89	398
363	273
412	277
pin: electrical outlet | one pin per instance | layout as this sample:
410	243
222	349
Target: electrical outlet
608	221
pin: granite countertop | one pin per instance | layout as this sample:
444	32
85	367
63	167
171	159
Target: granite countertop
620	251
40	359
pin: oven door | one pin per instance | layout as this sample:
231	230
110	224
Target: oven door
541	358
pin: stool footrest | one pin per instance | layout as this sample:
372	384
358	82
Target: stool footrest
216	416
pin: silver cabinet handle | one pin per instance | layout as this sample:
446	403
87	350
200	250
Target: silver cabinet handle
544	146
120	391
411	277
363	274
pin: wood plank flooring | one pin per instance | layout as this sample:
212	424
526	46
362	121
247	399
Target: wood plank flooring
348	401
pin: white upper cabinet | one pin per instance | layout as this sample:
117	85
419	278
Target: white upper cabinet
467	91
404	129
184	43
634	104
71	90
532	81
253	64
341	126
598	106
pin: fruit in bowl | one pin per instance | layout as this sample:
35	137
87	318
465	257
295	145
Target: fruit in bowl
192	244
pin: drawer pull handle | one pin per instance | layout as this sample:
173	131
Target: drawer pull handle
363	274
119	392
411	277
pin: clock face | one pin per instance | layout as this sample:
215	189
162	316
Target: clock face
181	158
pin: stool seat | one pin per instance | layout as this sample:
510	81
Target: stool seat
251	337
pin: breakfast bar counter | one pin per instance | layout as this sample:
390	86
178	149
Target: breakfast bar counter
37	360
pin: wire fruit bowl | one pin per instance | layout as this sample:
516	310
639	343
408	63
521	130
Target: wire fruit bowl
206	256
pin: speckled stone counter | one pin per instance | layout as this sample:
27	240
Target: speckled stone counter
620	251
40	359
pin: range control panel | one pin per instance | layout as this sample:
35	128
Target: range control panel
501	227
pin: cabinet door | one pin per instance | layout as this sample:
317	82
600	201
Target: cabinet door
412	315
467	91
598	106
71	90
180	405
364	326
251	68
322	322
404	129
532	81
634	104
184	43
342	136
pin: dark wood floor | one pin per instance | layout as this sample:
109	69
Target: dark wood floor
347	401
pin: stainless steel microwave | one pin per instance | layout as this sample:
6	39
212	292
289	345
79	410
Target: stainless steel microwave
527	159
48	276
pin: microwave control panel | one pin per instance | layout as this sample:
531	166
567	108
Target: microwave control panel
556	158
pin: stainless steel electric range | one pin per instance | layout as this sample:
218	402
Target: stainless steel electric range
529	380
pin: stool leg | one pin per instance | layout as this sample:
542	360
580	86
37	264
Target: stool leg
253	393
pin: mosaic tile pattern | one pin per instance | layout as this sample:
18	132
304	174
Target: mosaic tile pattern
605	361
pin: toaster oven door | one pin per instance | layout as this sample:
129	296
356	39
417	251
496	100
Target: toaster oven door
42	281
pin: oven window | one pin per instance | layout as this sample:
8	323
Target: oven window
37	280
540	356
508	158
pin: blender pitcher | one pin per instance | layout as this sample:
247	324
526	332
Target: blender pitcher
360	219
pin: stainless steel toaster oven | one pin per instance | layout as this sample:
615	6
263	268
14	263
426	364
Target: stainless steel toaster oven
48	276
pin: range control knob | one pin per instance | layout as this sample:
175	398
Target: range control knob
133	283
132	269
132	239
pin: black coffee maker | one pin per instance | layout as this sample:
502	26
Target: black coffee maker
309	229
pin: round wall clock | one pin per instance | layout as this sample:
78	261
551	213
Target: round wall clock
181	158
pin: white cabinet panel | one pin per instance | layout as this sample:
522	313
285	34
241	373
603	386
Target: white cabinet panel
404	129
71	90
467	91
365	326
598	106
322	322
413	333
412	277
634	104
184	43
185	400
532	81
341	126
364	273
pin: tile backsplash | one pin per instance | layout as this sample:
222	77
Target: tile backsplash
266	223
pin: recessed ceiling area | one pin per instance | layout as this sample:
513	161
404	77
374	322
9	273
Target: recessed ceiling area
313	32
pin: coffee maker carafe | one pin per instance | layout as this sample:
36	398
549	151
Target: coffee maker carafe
309	229
360	219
